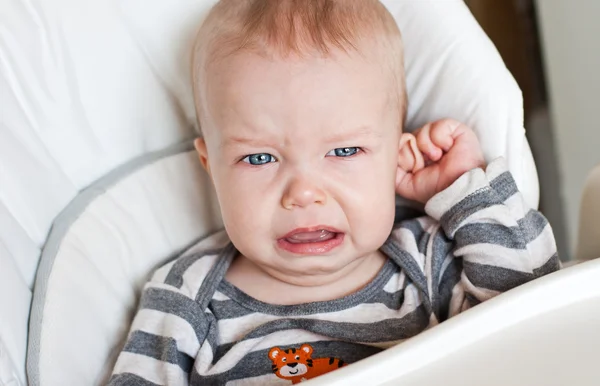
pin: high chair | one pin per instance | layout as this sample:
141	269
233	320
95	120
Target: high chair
97	189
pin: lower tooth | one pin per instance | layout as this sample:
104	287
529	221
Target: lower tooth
323	235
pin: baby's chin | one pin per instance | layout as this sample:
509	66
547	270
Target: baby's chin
316	270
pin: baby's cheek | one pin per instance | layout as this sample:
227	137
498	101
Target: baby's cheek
242	216
374	218
382	220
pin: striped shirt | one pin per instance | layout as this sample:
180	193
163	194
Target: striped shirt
193	327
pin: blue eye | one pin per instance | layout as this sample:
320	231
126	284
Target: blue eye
259	159
344	151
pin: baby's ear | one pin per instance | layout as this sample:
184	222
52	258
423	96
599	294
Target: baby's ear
410	159
200	146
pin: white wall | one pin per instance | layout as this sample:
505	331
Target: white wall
571	47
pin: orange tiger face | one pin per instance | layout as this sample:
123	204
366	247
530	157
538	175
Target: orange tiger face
298	365
291	362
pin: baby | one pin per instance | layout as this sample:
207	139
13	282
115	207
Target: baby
301	106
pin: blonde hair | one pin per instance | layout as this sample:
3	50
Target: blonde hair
300	27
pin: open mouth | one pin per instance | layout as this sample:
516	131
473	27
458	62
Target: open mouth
311	241
316	236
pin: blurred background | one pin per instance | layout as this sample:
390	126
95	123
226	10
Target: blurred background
551	48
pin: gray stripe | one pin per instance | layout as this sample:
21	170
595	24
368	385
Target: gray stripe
128	379
59	229
392	300
552	265
532	225
361	296
487	233
450	278
495	278
528	229
212	337
423	241
503	279
481	199
176	304
215	275
228	309
175	275
407	263
419	234
501	188
382	331
441	247
158	347
258	363
505	186
414	226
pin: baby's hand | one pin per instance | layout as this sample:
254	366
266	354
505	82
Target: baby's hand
441	152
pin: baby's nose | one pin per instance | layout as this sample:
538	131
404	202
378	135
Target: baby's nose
293	364
302	192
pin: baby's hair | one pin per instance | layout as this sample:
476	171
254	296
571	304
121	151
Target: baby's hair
297	27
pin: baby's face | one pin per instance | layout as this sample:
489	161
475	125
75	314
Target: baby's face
303	154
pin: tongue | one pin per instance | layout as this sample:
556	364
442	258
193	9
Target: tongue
311	237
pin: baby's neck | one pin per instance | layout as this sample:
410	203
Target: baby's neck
259	284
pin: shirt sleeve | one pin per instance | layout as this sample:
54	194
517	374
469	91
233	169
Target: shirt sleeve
164	339
500	241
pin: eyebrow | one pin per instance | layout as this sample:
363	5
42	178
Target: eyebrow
360	132
232	141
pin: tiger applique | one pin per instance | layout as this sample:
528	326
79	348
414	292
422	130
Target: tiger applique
297	365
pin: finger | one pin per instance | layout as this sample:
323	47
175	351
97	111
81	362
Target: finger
426	146
420	186
443	133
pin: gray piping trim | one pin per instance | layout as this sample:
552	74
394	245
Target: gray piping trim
61	225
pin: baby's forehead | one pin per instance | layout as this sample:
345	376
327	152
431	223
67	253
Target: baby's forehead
298	73
341	90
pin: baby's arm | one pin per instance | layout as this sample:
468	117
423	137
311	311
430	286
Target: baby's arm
492	241
502	242
164	340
